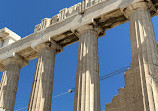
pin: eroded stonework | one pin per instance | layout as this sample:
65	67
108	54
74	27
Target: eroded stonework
141	89
84	22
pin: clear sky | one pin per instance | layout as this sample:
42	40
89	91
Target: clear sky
114	52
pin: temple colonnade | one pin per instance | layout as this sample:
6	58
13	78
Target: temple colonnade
87	88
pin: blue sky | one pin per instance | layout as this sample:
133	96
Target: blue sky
114	52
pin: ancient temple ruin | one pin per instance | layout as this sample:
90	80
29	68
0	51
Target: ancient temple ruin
84	23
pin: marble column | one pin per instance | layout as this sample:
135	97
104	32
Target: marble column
144	55
41	94
87	89
9	83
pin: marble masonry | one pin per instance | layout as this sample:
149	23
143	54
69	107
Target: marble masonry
84	23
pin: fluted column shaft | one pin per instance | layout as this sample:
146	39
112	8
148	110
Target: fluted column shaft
87	89
144	56
41	94
9	83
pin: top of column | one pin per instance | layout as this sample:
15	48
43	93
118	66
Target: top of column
51	44
94	27
146	5
13	59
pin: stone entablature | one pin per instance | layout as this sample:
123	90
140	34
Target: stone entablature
132	7
107	14
66	13
85	22
7	37
44	23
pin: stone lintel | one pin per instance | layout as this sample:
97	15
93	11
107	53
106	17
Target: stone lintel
12	58
139	4
51	44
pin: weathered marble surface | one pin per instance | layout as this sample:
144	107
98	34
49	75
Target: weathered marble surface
87	89
41	94
7	37
107	13
9	82
141	91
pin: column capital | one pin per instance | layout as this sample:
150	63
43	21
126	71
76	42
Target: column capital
93	27
51	44
13	58
146	5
